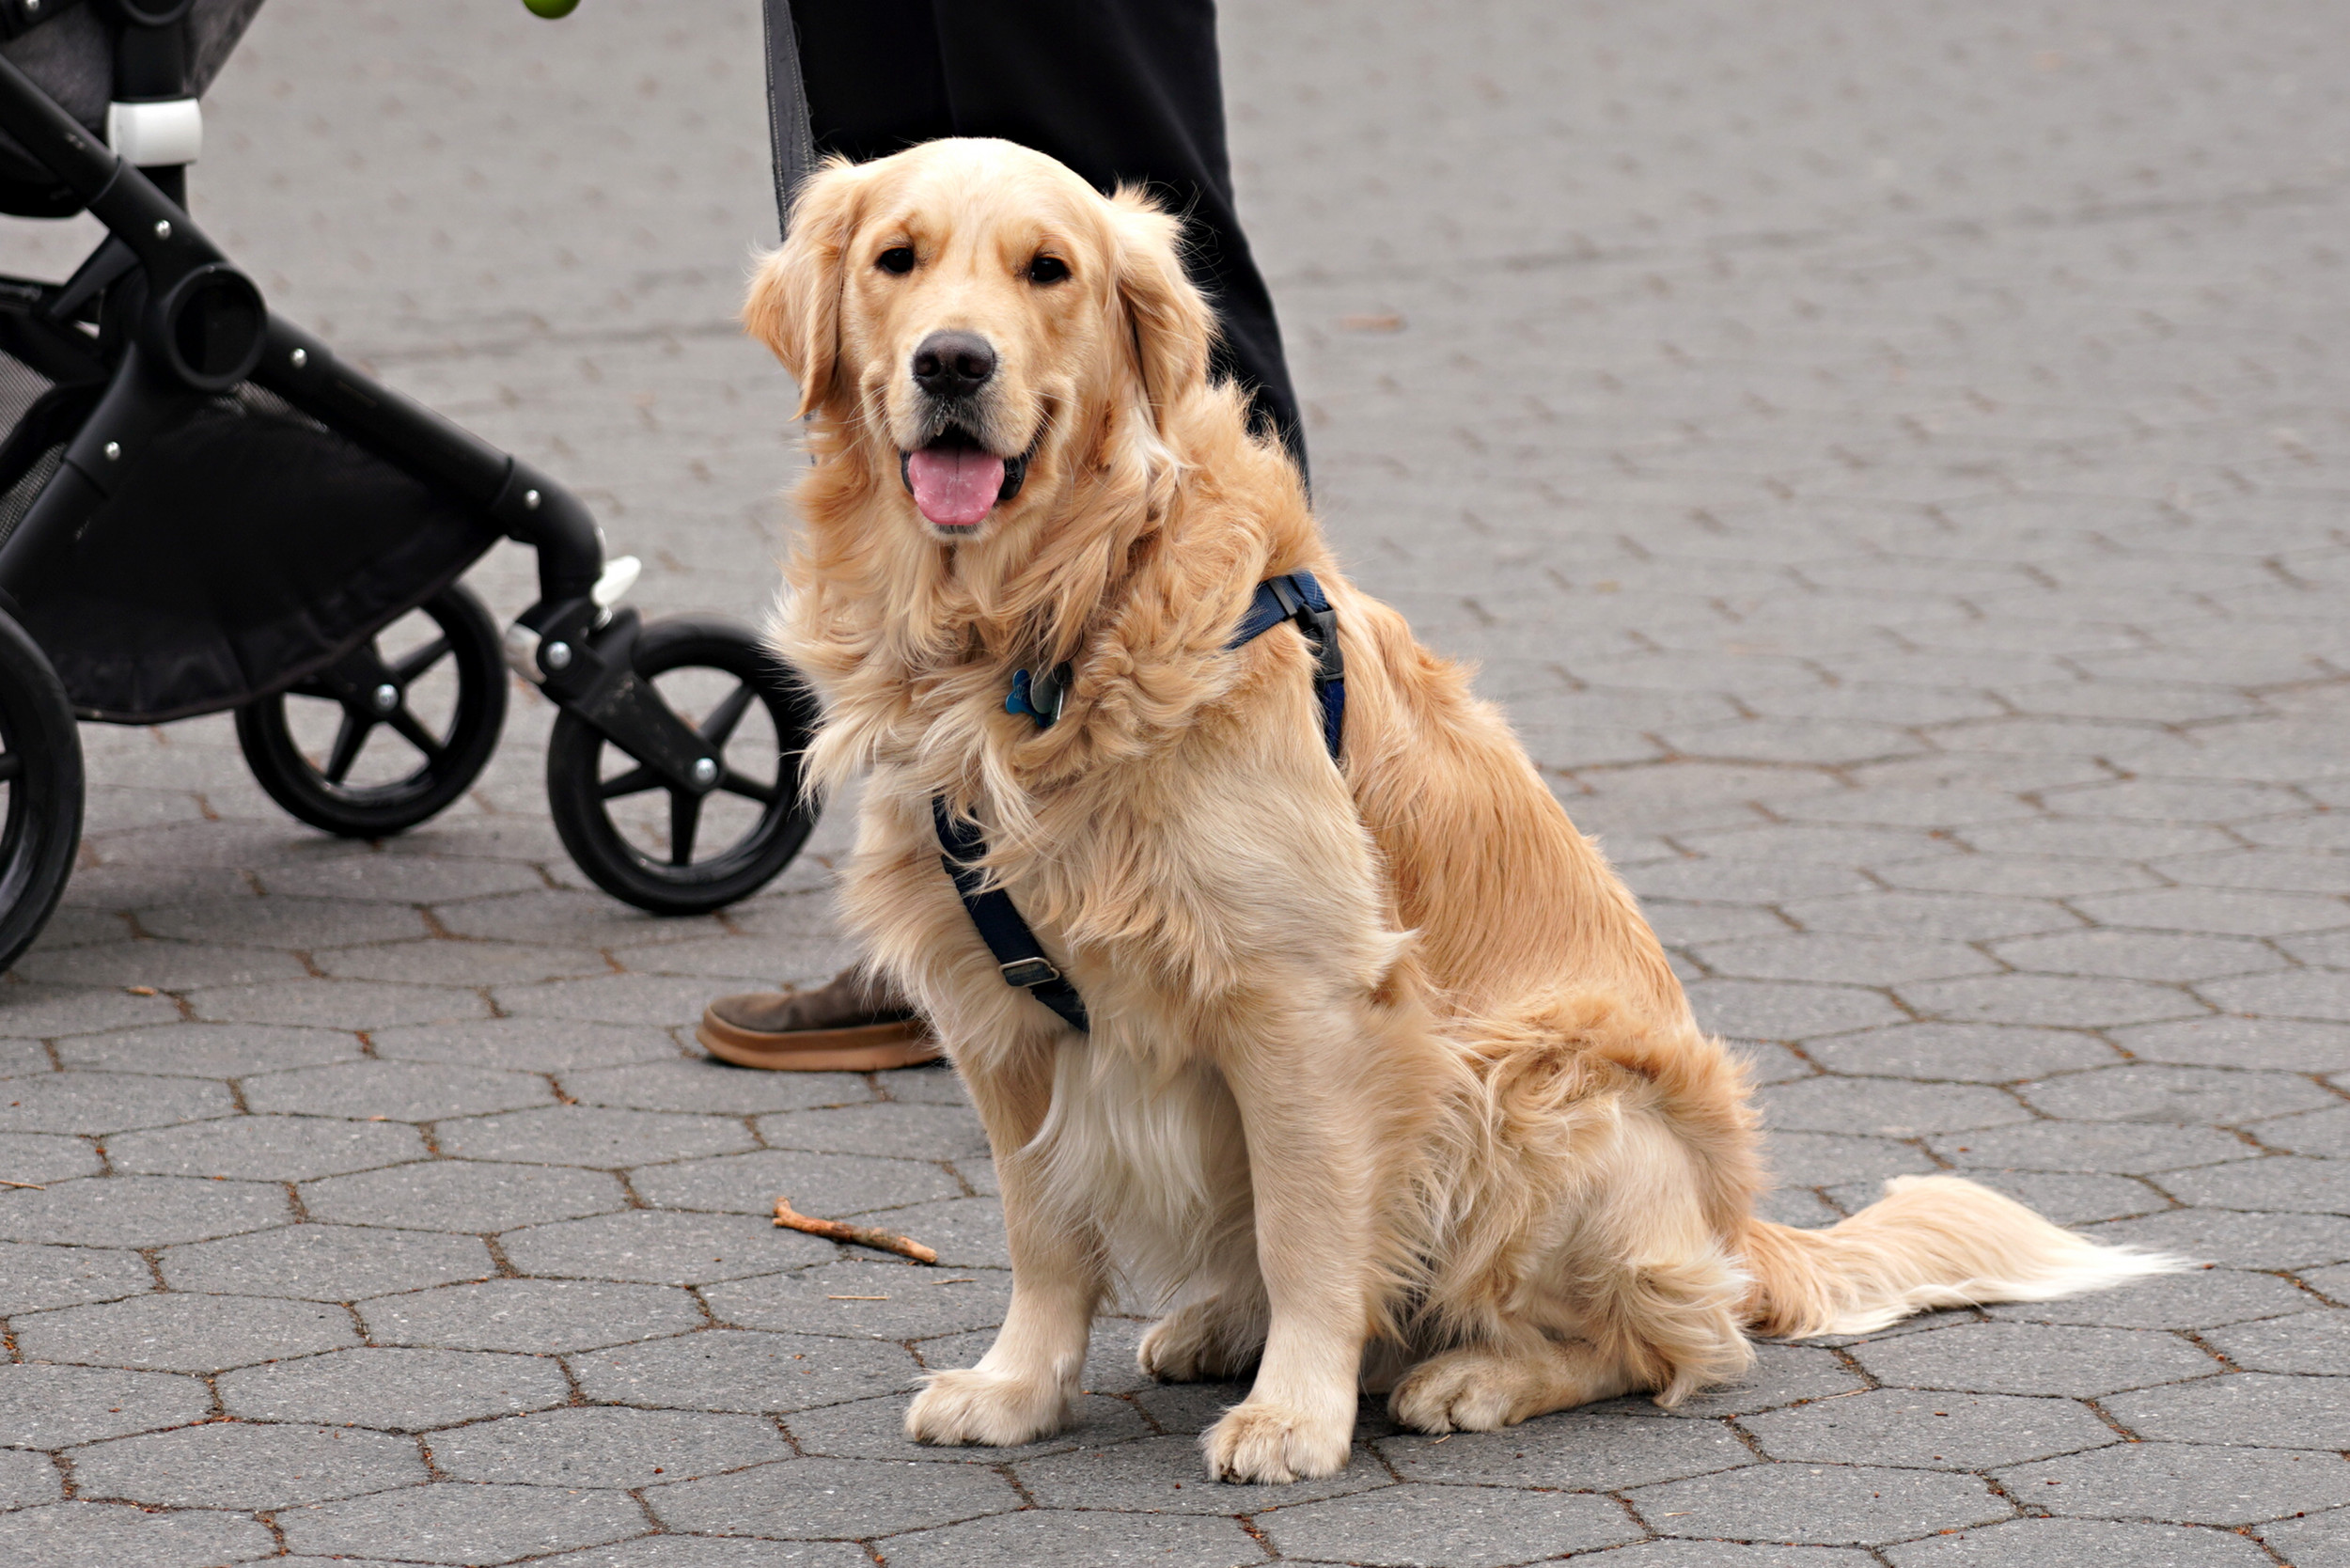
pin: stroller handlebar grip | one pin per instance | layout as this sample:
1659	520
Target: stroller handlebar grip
551	10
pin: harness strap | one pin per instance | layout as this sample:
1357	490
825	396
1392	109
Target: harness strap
1294	598
1017	952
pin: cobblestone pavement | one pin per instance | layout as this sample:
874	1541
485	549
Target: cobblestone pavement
1890	459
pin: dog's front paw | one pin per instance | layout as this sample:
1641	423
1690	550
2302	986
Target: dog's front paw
1467	1390
987	1409
1201	1342
1271	1444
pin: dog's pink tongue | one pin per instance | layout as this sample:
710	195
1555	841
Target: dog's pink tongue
954	486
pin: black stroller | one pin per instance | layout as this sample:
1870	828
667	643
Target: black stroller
202	508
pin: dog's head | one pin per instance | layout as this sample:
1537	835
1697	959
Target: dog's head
980	323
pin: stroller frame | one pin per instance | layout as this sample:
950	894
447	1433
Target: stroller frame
196	327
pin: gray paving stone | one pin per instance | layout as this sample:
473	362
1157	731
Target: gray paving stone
34	1278
207	1050
1954	917
911	1132
27	1478
1430	1526
2258	1409
1782	1374
1885	1108
461	1195
284	922
654	999
242	1464
2049	1001
267	1147
139	1211
711	1086
1785	1010
831	1498
2140	955
326	1262
1843	959
525	1045
2129	1148
729	1369
1820	1504
619	1448
2238	914
593	1135
663	1248
1576	1450
184	1333
2238	1237
1945	1430
101	1103
167	967
861	1299
397	1390
41	1011
403	1091
363	1004
2149	1092
2062	1542
1981	1053
1826	1159
825	1184
2321	1132
1106	1540
2318	994
1724	1554
2031	1359
876	1429
2198	1299
77	1534
529	1316
462	1523
1164	1475
2283	1181
2272	1042
2315	1342
51	1407
697	1551
2318	1540
2183	1484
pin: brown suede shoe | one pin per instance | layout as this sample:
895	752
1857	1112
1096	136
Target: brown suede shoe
852	1024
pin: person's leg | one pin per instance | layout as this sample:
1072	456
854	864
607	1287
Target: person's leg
872	70
1126	92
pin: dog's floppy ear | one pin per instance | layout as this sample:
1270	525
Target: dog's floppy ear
1165	312
794	302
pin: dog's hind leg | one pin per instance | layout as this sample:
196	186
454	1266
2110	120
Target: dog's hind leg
1217	1338
1020	1391
1485	1387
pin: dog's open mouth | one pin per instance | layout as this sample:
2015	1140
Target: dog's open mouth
956	482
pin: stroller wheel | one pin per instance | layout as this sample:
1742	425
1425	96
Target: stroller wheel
40	768
670	851
390	733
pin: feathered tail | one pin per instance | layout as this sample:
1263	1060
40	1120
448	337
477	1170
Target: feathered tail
1930	1241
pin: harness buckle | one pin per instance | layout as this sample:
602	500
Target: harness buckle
1029	973
1322	629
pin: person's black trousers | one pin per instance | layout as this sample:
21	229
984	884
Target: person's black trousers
1119	90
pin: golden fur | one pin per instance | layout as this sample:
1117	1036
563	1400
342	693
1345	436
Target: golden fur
1388	1082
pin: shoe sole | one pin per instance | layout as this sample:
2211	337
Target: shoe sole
867	1048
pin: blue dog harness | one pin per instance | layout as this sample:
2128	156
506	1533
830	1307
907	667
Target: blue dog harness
1293	598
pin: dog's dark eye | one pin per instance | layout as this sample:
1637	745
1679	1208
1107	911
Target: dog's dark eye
897	258
1047	269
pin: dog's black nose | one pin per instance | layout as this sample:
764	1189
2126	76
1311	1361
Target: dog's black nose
953	364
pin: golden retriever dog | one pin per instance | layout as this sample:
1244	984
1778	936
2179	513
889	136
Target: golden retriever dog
1388	1084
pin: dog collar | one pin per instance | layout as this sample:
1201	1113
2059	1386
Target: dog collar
1042	699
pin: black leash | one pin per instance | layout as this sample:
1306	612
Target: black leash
1293	598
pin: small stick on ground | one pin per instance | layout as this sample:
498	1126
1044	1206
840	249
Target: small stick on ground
863	1235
